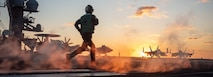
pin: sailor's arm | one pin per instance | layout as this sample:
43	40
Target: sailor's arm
76	25
95	20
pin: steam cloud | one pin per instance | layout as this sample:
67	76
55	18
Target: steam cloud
48	57
125	65
174	34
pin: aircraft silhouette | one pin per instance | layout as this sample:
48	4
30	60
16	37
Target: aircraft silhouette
181	54
103	50
156	52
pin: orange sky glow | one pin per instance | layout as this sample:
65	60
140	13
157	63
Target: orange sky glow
127	26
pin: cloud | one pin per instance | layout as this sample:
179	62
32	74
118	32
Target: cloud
202	1
149	11
208	42
145	10
193	38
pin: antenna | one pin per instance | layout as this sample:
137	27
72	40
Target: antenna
167	50
150	48
143	49
119	54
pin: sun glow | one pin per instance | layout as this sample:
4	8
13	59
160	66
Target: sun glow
138	53
143	54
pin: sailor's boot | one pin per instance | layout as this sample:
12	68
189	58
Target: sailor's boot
69	56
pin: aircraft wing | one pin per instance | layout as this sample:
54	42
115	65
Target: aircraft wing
163	54
72	48
103	49
188	54
174	54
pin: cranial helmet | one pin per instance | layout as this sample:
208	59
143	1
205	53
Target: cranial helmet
89	9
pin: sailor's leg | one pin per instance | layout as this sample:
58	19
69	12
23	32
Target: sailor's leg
77	51
92	55
92	52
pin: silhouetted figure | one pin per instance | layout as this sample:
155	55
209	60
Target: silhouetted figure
87	26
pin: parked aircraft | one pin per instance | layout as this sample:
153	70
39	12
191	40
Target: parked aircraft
181	54
156	52
103	50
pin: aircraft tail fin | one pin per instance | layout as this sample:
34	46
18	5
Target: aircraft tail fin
150	48
143	49
167	50
157	47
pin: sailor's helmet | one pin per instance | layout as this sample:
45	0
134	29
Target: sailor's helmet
89	9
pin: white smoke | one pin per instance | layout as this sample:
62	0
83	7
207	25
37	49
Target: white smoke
131	64
47	57
174	35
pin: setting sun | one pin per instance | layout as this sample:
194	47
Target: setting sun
143	54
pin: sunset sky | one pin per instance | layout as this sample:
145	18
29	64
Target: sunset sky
127	26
